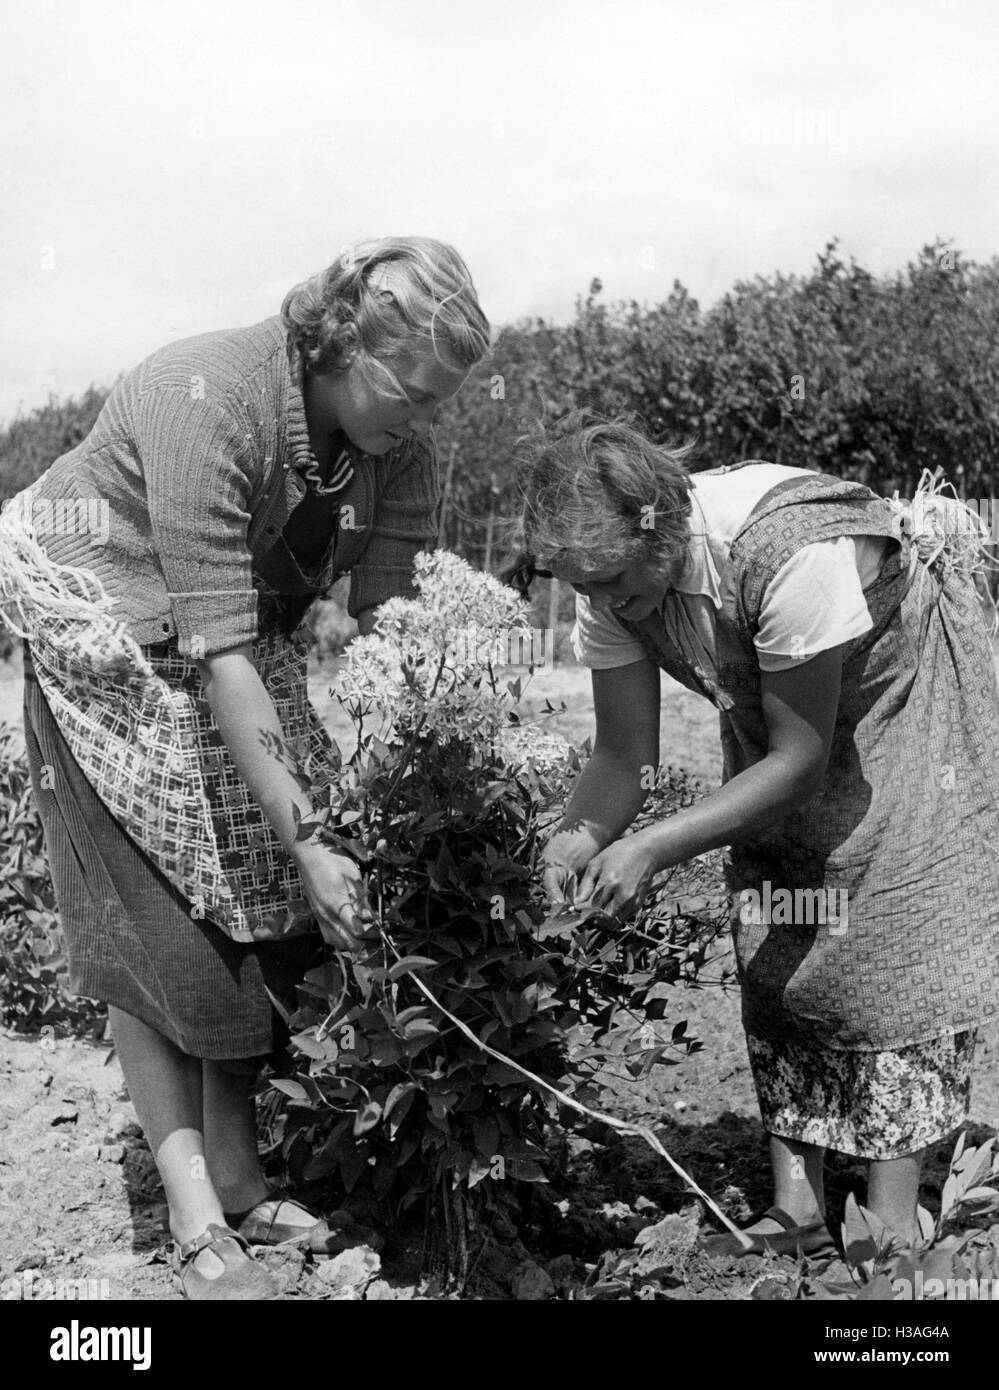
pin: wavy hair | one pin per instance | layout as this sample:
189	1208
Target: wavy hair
596	493
383	294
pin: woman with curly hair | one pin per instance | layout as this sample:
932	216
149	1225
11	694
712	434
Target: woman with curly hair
842	641
160	572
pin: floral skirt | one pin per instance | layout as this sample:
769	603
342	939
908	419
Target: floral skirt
874	1105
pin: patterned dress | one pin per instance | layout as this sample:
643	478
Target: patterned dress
861	1035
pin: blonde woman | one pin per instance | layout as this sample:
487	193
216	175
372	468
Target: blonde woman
171	741
859	718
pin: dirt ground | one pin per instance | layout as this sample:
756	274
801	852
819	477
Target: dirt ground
81	1199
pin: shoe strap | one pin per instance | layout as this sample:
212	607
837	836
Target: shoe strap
211	1236
279	1196
789	1222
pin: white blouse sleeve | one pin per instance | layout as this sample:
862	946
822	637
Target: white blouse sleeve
814	602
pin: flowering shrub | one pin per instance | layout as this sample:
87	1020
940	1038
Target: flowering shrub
445	801
426	667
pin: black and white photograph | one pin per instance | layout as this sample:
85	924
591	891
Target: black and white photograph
499	623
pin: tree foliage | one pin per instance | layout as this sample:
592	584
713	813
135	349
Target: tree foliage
864	377
867	377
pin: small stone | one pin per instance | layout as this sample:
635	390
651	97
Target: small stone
112	1153
562	1271
680	1105
769	1290
286	1262
281	1256
346	1274
121	1125
666	1246
645	1207
623	1219
381	1292
32	1260
76	1092
65	1113
531	1283
46	1079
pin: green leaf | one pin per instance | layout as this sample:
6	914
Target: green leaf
975	1164
404	1088
328	977
421	1028
318	1051
949	1195
380	751
478	1170
416	1011
927	1225
367	1117
525	1170
292	1089
409	964
981	1194
443	1103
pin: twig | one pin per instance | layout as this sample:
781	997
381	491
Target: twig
641	1131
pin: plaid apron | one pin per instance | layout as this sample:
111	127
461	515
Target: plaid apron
145	738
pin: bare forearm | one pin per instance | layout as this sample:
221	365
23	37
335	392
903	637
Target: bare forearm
756	798
253	734
606	799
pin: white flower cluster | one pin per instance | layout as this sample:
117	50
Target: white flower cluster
431	660
521	743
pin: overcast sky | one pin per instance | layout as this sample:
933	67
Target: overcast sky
174	166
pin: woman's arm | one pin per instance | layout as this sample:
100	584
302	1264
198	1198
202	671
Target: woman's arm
799	706
609	793
245	713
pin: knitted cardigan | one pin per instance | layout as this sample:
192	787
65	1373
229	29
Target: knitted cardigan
188	476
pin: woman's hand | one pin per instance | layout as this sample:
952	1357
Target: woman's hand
612	787
558	881
336	893
617	879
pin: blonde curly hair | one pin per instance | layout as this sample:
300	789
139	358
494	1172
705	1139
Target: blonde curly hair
382	295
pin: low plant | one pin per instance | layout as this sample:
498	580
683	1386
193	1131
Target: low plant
33	978
426	1062
957	1255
